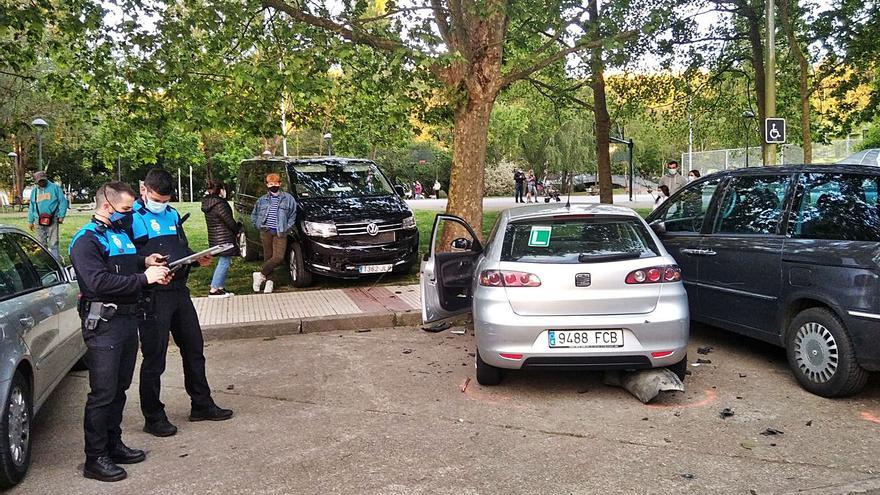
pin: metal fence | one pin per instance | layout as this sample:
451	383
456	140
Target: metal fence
714	160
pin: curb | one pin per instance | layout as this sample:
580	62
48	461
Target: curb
293	326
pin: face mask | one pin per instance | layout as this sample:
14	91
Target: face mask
690	178
121	220
672	171
42	183
155	206
274	189
222	193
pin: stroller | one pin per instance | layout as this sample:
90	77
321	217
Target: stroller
550	192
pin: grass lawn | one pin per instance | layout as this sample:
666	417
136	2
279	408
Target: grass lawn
239	278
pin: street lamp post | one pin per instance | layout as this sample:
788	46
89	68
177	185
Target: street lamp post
329	138
41	126
748	115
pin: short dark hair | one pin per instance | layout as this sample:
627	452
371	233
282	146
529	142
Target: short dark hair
159	181
670	162
111	191
215	185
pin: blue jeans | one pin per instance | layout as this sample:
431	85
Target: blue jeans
220	272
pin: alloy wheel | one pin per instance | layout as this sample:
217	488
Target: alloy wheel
18	419
815	352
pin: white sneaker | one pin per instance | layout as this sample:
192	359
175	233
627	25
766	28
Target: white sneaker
269	286
259	278
220	294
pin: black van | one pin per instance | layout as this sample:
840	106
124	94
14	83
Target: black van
350	222
789	255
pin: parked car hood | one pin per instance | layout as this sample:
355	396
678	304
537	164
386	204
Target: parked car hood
345	210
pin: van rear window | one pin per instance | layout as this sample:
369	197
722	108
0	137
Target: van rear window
577	240
337	180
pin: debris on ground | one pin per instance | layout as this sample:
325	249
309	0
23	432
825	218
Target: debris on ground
230	387
464	384
743	375
688	476
748	444
472	354
363	330
726	413
810	423
704	350
645	385
704	361
772	431
407	351
438	327
269	338
458	332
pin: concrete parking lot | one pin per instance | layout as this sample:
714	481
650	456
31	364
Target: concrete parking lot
392	411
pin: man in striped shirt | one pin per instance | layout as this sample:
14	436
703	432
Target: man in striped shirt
275	216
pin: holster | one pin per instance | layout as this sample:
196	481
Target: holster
147	304
98	311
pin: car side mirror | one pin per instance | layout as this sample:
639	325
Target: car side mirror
71	273
658	226
462	243
399	190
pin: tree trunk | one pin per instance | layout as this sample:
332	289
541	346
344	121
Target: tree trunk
797	52
466	187
753	18
600	110
20	168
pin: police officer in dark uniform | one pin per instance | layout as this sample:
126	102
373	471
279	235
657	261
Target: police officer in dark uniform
158	228
111	276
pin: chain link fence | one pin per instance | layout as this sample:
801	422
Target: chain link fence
711	161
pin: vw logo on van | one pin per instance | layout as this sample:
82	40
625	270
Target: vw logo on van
372	229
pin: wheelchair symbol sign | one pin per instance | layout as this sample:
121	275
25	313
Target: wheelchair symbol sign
774	131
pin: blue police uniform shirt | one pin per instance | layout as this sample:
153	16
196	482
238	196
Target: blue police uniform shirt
107	265
159	233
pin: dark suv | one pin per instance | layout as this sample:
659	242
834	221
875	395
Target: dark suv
789	255
350	221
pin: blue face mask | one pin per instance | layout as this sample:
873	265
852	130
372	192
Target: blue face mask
155	206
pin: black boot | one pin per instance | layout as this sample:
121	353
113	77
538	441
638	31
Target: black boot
160	428
122	454
213	413
103	469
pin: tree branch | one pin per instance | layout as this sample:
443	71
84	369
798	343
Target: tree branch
551	59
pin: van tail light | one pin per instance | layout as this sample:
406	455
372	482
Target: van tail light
654	274
500	278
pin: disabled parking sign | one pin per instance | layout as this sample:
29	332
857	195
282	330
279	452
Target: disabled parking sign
540	236
774	131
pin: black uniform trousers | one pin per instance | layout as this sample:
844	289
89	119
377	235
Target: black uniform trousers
171	312
111	355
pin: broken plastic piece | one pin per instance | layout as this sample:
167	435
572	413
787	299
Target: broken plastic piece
645	385
772	431
439	327
704	350
726	413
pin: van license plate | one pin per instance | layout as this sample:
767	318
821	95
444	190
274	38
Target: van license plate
374	268
585	338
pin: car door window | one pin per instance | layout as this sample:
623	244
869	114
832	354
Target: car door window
837	206
685	211
47	270
752	205
15	275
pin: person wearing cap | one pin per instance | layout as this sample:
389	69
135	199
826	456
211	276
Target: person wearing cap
673	179
48	207
275	216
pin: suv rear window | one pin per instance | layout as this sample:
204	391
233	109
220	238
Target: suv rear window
577	240
838	206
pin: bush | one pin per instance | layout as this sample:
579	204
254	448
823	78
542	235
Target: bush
499	178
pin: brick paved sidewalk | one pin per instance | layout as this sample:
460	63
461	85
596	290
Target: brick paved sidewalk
253	315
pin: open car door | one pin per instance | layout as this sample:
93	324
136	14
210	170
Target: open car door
447	273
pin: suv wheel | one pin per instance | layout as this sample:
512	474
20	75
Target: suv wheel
821	354
486	373
246	252
299	276
15	432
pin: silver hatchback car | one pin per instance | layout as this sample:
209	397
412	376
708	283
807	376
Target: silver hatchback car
579	287
40	341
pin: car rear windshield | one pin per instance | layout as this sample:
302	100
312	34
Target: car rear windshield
587	239
339	180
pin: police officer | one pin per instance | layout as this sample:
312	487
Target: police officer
109	273
158	228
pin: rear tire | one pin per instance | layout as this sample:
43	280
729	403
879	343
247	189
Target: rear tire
487	374
821	354
299	276
680	368
248	253
15	452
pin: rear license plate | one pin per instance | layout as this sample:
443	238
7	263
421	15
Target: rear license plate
585	338
375	268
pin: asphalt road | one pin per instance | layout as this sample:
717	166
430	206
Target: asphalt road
383	412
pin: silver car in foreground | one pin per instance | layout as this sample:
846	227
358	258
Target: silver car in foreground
579	287
40	341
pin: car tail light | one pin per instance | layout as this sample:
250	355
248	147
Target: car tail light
654	274
508	355
500	278
661	354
